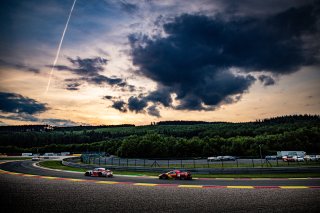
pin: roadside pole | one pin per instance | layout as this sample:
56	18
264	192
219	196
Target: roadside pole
260	146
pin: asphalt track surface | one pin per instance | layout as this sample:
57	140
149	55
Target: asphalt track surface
27	194
28	168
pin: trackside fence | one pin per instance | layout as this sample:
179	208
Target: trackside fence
133	165
192	163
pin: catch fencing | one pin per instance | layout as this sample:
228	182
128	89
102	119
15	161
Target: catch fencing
192	163
156	165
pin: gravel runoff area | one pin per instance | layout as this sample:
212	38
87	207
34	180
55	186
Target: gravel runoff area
23	194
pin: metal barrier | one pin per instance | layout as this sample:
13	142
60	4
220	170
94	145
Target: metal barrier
192	163
124	165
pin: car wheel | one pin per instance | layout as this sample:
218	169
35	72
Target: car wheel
99	174
86	174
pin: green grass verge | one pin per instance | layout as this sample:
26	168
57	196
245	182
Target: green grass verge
58	165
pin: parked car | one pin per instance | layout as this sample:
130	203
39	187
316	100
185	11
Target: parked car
298	158
219	157
212	159
288	158
228	158
99	172
35	159
271	157
176	174
310	158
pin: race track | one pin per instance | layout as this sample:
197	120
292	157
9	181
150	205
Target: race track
27	167
25	193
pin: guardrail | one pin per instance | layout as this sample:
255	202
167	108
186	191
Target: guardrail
75	162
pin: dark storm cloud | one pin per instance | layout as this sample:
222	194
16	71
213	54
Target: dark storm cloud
120	105
108	97
257	8
88	66
20	117
153	111
18	66
15	103
73	86
89	69
162	95
100	79
196	57
62	68
266	80
19	108
31	118
84	67
136	104
131	88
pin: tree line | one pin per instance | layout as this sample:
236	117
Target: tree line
162	141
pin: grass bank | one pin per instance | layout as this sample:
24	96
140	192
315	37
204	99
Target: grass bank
58	165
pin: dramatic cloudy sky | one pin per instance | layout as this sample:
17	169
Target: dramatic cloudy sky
141	61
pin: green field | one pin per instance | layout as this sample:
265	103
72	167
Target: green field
59	165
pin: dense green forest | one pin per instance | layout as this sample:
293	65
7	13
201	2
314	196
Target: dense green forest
174	138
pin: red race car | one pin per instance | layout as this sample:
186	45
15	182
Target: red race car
99	172
176	174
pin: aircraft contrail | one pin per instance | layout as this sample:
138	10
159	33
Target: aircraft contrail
59	47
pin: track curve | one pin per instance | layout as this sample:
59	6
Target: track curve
26	167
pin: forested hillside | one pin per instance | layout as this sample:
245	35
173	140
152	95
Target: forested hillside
175	138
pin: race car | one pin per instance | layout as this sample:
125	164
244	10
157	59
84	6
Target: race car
99	172
176	174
